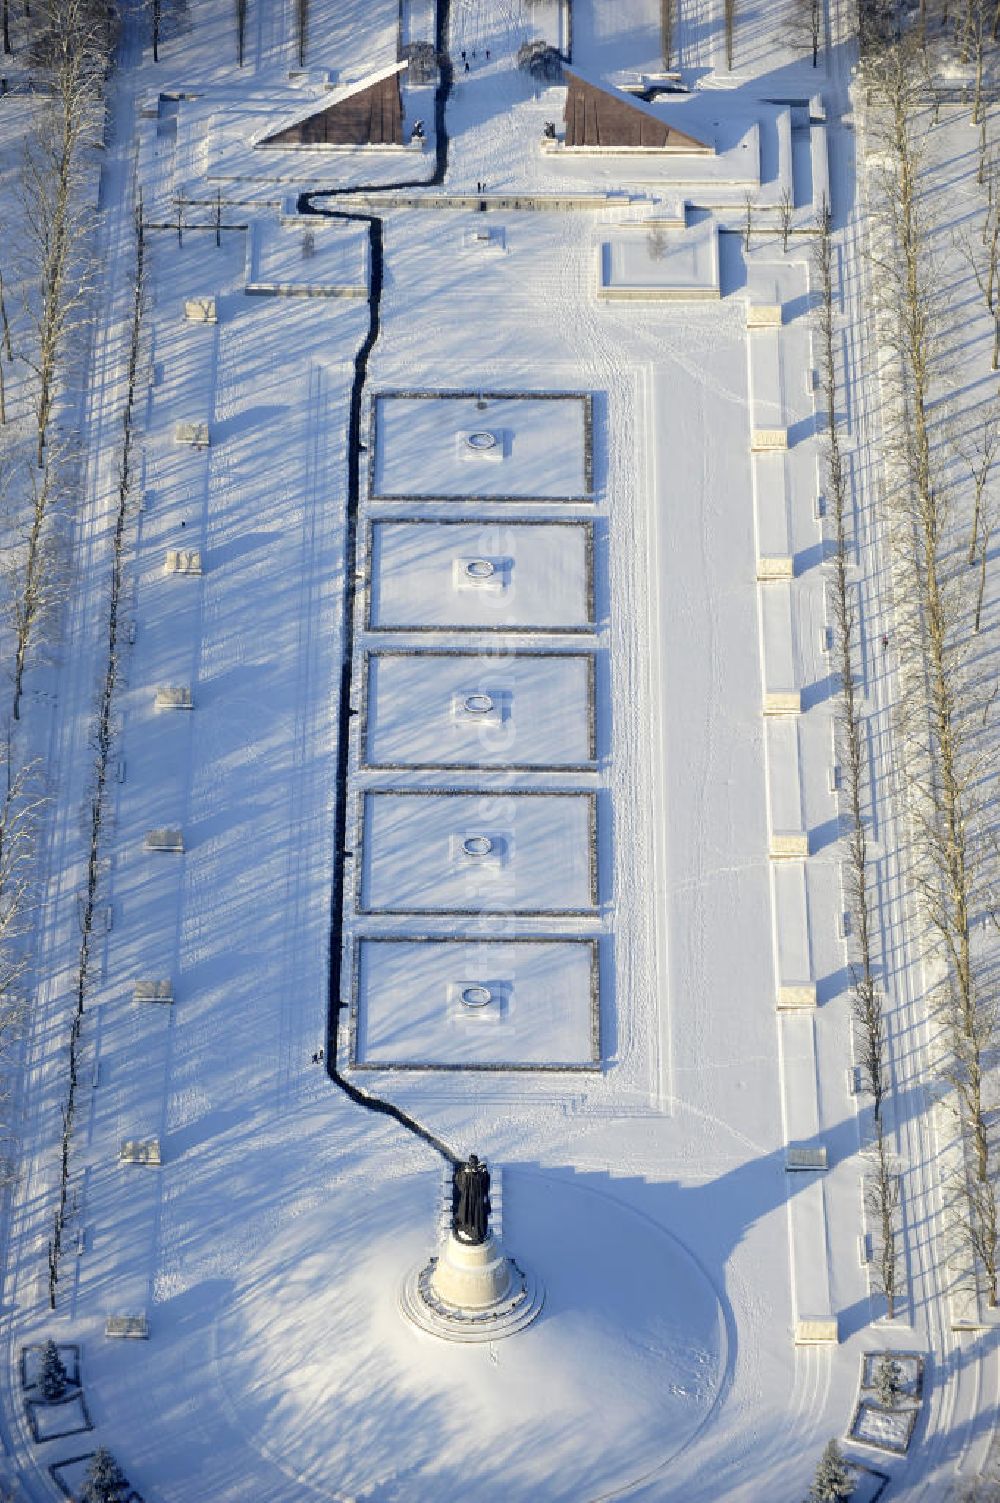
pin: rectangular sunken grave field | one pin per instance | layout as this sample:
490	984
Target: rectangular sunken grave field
462	709
432	445
481	576
475	1004
523	853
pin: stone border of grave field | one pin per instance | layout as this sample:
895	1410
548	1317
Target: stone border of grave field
61	1347
360	848
589	657
475	394
484	1067
869	1360
48	1406
457	626
869	1406
880	1480
56	1467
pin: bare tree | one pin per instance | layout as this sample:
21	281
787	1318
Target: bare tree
985	262
785	211
241	29
35	575
979	462
301	28
985	533
8	348
22	805
882	1205
729	26
668	13
72	45
805	22
747	220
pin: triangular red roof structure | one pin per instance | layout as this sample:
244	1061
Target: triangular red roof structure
366	113
599	115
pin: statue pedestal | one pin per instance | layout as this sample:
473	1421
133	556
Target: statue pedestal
472	1276
471	1292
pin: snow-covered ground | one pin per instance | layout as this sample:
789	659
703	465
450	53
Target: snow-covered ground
635	781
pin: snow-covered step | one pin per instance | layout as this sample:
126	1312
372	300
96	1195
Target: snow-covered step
767	394
799	1094
771	520
793	963
784	795
778	650
805	1160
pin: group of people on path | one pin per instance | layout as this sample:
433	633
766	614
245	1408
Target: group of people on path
471	53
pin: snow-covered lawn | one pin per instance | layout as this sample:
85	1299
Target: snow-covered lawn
564	934
427	575
434	444
489	852
884	1429
476	1002
467	710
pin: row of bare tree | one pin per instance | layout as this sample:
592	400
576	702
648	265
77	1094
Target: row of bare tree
103	741
882	1185
946	717
43	334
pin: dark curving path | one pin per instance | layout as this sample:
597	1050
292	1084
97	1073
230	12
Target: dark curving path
307	204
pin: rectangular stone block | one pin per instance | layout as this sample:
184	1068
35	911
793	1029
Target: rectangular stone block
173	697
153	991
135	1327
775	566
182	561
200	310
793	995
789	845
194	434
813	1330
763	440
799	1158
764	316
140	1151
782	702
164	840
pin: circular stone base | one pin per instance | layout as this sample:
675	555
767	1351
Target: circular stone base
322	1376
421	1304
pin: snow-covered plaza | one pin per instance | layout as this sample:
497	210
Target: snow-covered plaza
480	527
